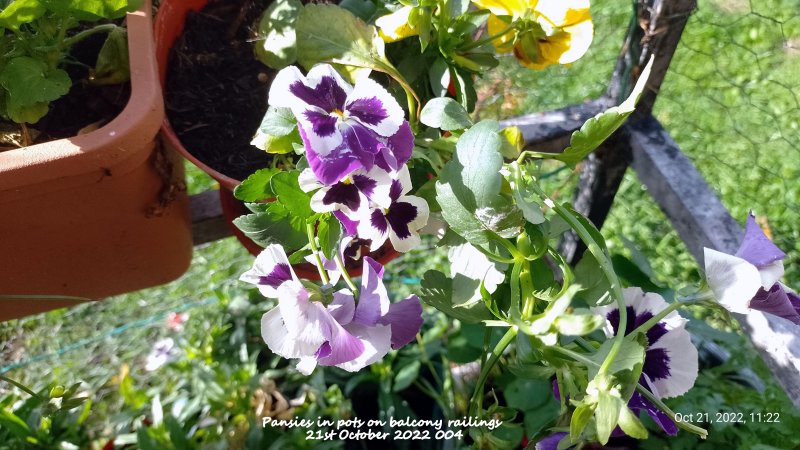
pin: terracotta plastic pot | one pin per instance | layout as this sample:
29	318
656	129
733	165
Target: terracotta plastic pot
97	214
168	26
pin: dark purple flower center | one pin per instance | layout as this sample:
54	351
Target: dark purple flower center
365	184
343	193
322	124
327	95
279	274
656	360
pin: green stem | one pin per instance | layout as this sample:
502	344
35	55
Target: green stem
515	291
315	251
534	154
72	40
477	395
526	282
345	275
605	265
494	257
412	109
427	361
487	39
670	308
20	386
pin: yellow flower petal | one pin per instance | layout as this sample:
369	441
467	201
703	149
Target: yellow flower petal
514	8
495	25
394	27
561	13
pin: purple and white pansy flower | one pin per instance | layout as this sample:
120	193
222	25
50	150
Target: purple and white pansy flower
749	279
331	329
343	127
352	194
400	222
670	364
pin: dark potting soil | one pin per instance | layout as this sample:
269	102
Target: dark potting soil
216	91
86	103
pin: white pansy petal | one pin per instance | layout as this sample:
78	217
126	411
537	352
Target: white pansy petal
373	106
270	269
318	202
407	244
771	273
377	342
733	280
279	93
683	365
307	365
423	211
308	181
276	336
302	318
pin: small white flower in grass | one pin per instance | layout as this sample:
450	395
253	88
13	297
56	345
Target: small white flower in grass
163	352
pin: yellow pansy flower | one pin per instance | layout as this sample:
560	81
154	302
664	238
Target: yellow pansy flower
395	26
562	33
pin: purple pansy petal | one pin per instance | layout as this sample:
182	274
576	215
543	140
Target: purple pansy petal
794	299
375	266
328	168
270	269
639	403
373	300
376	341
322	124
397	151
350	226
361	141
775	301
733	280
343	307
341	345
403	243
405	318
371	104
756	247
550	442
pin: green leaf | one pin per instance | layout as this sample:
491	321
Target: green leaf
630	355
277	42
90	10
464	87
606	415
446	114
406	376
145	440
468	189
630	424
329	233
273	227
363	9
594	284
526	395
177	435
580	419
437	291
278	121
20	12
112	66
328	33
14	424
257	186
287	189
600	127
31	84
